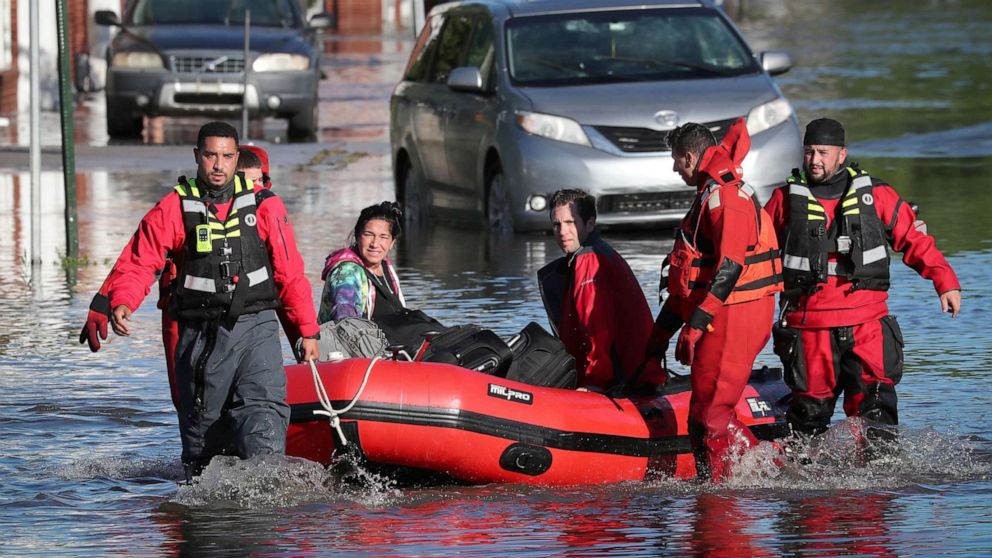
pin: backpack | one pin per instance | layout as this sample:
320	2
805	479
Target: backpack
353	338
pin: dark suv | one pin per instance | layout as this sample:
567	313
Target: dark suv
186	57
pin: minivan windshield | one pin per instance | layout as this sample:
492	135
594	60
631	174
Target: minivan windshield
626	45
266	13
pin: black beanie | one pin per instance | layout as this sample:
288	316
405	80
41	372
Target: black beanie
824	131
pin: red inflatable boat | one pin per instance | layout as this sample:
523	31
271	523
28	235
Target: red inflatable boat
478	428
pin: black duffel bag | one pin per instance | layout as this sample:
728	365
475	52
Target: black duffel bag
408	327
468	346
540	359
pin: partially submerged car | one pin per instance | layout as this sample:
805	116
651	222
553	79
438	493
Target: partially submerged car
186	57
505	101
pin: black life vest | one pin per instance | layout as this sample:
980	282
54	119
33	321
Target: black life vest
857	237
225	269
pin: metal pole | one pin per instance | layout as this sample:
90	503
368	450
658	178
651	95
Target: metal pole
35	149
68	135
244	91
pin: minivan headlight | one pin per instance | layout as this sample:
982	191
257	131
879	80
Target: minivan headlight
767	115
137	60
552	127
280	62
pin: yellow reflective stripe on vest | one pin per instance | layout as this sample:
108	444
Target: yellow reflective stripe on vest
815	211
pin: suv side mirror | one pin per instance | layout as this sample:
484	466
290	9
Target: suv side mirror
107	18
466	78
323	21
775	62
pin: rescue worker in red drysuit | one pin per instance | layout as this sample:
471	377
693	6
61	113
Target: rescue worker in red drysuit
724	274
835	224
594	302
253	161
236	262
256	165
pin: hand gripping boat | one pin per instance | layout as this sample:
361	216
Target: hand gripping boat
478	428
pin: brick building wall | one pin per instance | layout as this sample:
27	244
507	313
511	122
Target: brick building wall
8	77
78	19
356	15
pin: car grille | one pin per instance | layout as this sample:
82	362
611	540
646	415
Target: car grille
644	140
645	203
208	64
207	98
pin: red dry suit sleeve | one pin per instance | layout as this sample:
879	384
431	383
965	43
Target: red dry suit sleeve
776	208
919	250
594	306
730	222
287	268
159	232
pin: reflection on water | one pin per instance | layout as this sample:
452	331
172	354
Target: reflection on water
89	442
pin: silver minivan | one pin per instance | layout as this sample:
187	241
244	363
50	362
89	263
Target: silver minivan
505	101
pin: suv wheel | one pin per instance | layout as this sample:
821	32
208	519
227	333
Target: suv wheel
413	196
499	218
120	123
303	125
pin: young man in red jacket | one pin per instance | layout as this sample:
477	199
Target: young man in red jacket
253	161
594	302
835	224
722	283
236	263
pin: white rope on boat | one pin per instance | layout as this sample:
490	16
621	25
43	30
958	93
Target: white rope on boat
325	401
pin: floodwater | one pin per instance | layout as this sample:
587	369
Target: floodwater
89	446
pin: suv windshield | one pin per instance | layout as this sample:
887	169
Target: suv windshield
268	13
634	45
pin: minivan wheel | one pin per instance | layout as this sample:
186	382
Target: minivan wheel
416	206
499	218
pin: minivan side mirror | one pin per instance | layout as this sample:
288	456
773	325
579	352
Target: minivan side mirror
107	18
775	62
466	78
323	21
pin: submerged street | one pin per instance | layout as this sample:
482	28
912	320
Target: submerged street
90	450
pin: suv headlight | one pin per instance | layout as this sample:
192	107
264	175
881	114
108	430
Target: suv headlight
552	127
280	62
767	115
137	60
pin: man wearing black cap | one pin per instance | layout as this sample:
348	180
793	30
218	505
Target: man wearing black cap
835	224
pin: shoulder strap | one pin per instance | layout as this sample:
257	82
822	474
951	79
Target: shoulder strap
262	195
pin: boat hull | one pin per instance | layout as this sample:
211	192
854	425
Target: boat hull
477	428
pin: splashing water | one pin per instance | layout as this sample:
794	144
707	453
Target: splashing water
847	457
120	468
270	481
